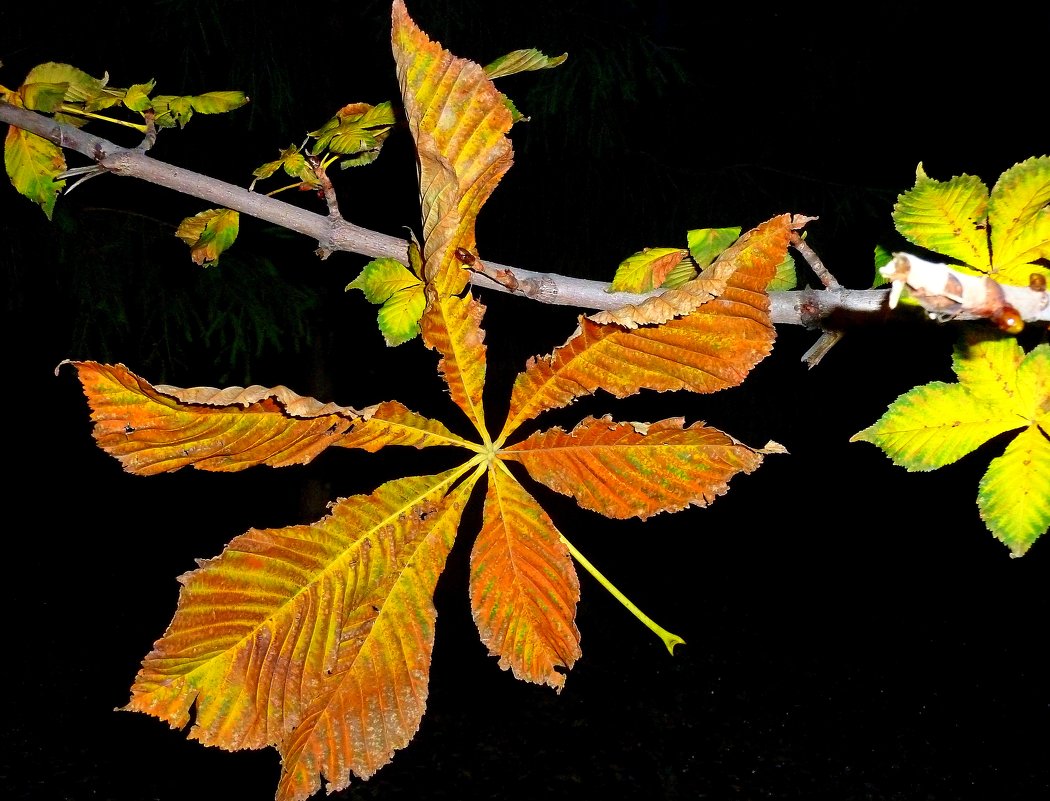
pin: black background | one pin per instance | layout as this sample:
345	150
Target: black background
853	631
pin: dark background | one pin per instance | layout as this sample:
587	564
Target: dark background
853	631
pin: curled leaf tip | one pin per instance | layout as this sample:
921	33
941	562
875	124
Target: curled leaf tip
671	640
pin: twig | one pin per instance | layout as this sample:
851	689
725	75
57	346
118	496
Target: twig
814	262
807	307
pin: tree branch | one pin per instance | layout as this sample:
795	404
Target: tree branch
831	308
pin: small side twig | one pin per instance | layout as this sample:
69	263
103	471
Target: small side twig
827	339
89	171
814	262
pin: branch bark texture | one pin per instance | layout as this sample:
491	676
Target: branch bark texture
833	307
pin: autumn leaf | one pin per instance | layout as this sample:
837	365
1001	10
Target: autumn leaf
756	251
373	697
316	639
1000	389
33	164
209	234
645	270
461	144
711	348
624	470
523	587
335	643
392	423
161	429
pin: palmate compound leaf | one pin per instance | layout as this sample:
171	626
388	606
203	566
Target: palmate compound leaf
1000	389
317	639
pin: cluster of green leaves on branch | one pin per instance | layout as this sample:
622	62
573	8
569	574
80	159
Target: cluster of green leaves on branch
316	639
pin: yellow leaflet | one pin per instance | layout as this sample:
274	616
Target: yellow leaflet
1014	494
934	425
947	217
1019	215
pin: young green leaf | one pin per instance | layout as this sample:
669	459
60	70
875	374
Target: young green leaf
389	284
705	244
160	429
356	131
294	164
48	86
645	270
522	61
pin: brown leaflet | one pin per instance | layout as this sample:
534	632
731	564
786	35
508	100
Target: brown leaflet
523	586
625	470
711	348
161	429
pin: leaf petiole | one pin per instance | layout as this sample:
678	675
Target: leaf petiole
670	640
64	109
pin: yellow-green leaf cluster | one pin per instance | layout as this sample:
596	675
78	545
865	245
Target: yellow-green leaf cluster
1000	389
356	132
294	164
74	97
171	110
1004	233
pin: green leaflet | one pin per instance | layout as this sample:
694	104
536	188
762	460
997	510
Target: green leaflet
399	294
